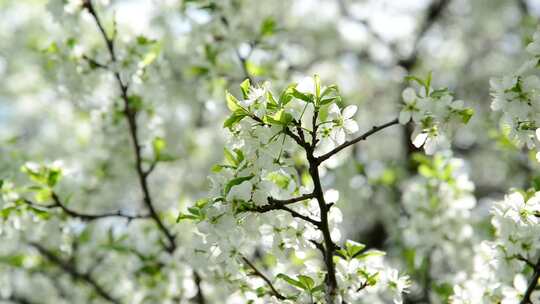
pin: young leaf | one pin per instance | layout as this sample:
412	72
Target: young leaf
158	145
234	119
268	27
353	248
466	115
232	103
306	281
53	177
237	181
244	87
305	97
292	281
317	81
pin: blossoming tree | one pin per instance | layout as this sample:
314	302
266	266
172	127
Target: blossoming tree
105	193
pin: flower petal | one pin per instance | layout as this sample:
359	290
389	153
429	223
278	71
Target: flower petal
349	111
408	95
333	110
404	117
420	139
350	126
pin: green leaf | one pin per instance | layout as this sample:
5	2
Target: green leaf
279	179
5	212
244	87
287	95
236	181
353	248
183	216
317	81
71	42
42	214
428	81
216	168
211	53
16	260
536	183
268	27
413	78
306	281
426	171
331	89
272	103
239	156
318	288
232	103
143	40
158	144
151	56
466	115
164	157
292	281
43	195
329	100
370	253
198	70
234	119
230	159
305	97
135	102
440	93
282	117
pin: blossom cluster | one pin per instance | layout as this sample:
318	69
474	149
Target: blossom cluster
502	266
432	111
262	206
517	97
438	226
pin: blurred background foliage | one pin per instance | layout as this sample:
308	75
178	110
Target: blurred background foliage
53	106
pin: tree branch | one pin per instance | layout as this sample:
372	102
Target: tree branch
532	284
16	299
267	280
73	272
85	216
130	114
303	197
199	297
364	136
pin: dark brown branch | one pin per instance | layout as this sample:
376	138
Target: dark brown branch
16	299
85	216
303	197
526	261
199	297
532	284
267	280
523	7
364	136
95	63
267	208
75	273
301	216
329	245
130	114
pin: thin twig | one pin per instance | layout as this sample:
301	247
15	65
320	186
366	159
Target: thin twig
267	280
532	284
130	114
76	274
364	136
84	216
